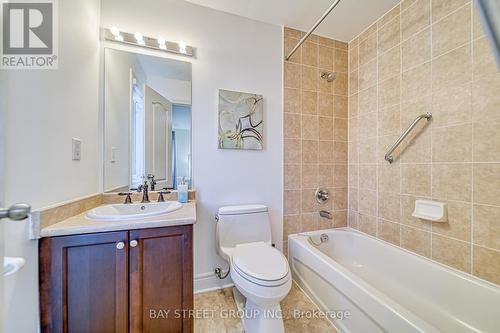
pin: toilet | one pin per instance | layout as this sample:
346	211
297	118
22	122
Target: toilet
260	272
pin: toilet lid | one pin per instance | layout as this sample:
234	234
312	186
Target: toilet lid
260	261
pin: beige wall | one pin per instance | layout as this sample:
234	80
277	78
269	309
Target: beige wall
427	55
315	132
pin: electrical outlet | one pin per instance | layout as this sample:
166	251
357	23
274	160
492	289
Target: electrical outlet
76	149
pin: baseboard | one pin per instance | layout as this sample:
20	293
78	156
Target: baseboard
208	281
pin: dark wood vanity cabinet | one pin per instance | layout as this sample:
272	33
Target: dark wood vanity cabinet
138	281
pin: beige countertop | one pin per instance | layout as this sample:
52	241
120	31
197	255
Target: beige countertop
80	224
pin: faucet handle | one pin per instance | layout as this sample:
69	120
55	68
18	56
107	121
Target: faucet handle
128	199
160	195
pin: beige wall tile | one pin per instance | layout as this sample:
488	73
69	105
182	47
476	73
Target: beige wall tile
325	152
416	50
367	202
289	32
485	99
291	126
389	16
486	264
325	175
353	152
339	198
367	224
367	125
389	178
354	175
310	54
353	219
326	41
389	206
367	49
368	74
389	121
417	147
416	82
487	141
405	4
353	129
289	45
309	102
452	68
326	128
309	151
452	144
451	105
340	219
340	85
452	31
353	82
389	35
291	202
368	151
293	151
367	100
340	129
309	78
415	18
353	57
383	145
325	57
292	176
292	75
341	61
292	100
309	176
310	127
340	175
459	221
452	252
487	226
291	225
353	199
309	203
416	240
389	92
487	184
309	222
368	177
340	152
388	231
341	106
441	8
389	64
477	24
410	109
416	179
484	60
452	181
353	106
341	45
368	32
325	105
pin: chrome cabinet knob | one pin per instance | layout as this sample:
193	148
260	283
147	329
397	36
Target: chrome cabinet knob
120	245
133	243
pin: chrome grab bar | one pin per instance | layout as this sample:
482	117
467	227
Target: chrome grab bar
16	212
388	156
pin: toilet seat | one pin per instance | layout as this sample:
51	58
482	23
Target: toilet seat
261	264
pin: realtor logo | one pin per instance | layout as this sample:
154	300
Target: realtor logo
29	38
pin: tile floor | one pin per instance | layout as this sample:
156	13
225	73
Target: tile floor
219	302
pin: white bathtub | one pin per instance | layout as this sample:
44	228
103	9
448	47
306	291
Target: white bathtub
388	289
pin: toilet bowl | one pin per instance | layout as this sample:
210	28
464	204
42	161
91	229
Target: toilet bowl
260	272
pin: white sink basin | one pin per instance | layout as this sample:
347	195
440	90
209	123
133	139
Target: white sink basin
132	211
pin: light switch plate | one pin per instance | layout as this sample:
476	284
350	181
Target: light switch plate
76	149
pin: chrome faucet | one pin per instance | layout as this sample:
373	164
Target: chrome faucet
152	180
144	188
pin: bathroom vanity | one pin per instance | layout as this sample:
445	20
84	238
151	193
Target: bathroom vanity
138	278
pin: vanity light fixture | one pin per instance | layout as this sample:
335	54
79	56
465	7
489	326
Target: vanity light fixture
113	34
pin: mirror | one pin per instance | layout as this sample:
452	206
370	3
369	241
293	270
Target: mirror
147	121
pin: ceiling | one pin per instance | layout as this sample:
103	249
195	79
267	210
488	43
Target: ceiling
346	21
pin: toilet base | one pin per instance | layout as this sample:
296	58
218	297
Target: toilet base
258	319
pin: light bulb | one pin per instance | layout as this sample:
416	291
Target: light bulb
138	36
182	47
119	38
161	41
114	31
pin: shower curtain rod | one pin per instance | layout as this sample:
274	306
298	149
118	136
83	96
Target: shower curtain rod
318	22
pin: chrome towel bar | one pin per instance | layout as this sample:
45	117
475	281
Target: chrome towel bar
388	156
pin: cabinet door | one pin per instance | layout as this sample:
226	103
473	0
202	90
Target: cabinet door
161	280
84	283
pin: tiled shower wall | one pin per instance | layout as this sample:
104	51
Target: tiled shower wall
315	133
427	56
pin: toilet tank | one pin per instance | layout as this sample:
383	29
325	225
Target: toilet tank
243	224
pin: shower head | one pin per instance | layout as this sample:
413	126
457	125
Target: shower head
328	76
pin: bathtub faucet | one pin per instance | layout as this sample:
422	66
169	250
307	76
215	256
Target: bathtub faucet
322	239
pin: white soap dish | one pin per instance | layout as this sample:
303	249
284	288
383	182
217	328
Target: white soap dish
430	210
